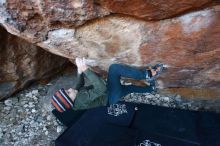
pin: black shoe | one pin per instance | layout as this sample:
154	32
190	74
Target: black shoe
149	78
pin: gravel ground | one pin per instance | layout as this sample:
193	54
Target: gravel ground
25	122
26	118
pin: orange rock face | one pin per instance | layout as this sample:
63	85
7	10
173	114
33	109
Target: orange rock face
152	9
190	46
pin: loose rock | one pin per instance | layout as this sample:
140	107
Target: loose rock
8	102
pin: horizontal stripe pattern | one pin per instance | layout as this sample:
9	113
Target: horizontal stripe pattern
54	98
56	105
66	96
61	101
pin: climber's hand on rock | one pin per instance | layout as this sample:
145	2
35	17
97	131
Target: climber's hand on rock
81	65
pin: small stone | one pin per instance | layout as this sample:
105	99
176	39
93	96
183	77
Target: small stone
33	111
32	122
149	97
26	135
55	124
167	99
8	102
12	131
28	94
14	100
46	133
59	129
157	96
35	92
19	133
44	129
12	120
31	103
44	114
34	125
48	117
35	98
23	102
178	98
31	106
7	108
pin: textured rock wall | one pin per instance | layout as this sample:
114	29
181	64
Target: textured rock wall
153	9
22	62
183	34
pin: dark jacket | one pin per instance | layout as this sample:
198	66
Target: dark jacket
90	96
130	124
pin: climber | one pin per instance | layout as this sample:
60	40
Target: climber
100	94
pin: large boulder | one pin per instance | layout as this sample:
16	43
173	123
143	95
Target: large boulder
189	45
32	19
22	62
184	34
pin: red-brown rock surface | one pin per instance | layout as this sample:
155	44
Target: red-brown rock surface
36	18
22	62
188	43
152	9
